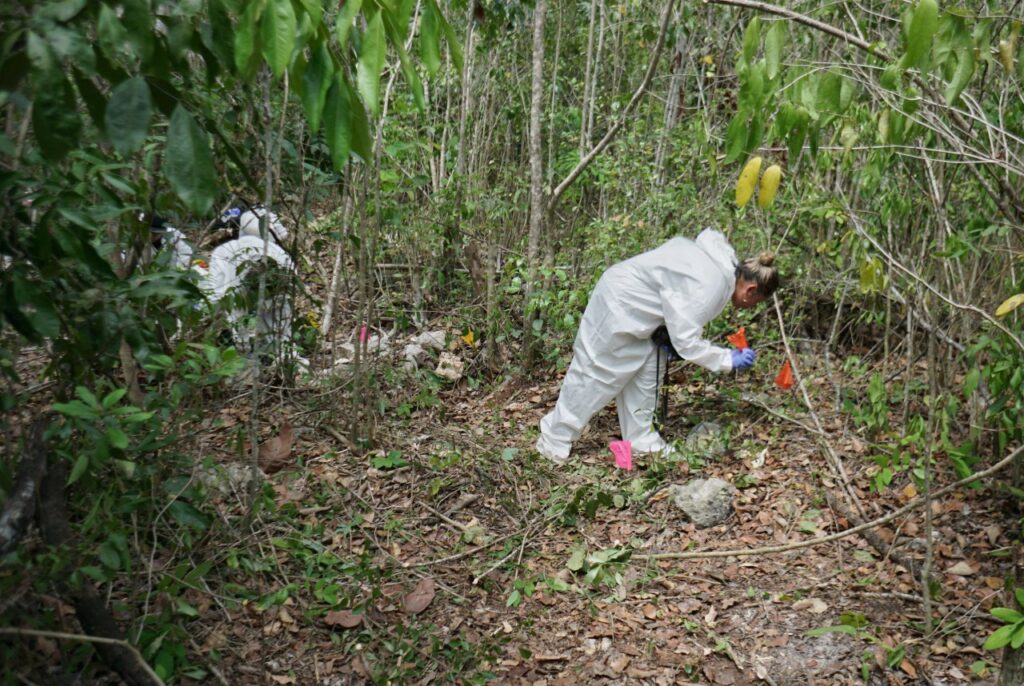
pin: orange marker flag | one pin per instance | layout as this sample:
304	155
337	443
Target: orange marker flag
785	378
739	339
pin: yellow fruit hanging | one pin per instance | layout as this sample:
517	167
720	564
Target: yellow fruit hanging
1006	50
747	181
769	186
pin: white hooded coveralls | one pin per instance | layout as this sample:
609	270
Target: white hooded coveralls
228	265
683	284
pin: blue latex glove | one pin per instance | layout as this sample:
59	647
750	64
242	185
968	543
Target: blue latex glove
743	359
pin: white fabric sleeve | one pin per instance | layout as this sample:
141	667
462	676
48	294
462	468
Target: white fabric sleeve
685	318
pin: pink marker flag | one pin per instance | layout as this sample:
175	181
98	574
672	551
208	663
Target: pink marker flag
364	333
623	452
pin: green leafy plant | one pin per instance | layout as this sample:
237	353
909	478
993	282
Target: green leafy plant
1012	632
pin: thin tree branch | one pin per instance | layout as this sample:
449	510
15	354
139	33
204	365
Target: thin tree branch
614	130
807	21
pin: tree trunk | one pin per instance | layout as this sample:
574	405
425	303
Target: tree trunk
538	202
587	83
452	236
673	106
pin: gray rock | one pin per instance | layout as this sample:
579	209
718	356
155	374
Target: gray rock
706	440
706	502
232	478
431	340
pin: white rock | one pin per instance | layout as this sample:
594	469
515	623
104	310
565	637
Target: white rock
449	367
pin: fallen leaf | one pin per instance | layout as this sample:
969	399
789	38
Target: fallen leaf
993	582
993	533
346	619
962	568
274	453
909	492
709	618
650	611
618	663
907	667
420	598
282	679
813	605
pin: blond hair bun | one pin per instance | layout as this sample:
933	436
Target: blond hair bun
766	258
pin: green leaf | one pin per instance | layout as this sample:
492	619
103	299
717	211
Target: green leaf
962	75
110	33
35	305
1007	615
137	16
362	144
186	515
63	10
1019	594
55	119
755	134
189	162
773	43
923	24
830	92
454	47
88	397
797	134
1017	640
95	102
430	39
412	77
246	38
735	138
109	556
81	464
278	35
577	559
316	81
1000	638
113	398
337	123
514	599
751	39
313	9
371	61
343	24
76	408
127	115
117	438
971	381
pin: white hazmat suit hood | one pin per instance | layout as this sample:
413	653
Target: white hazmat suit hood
683	284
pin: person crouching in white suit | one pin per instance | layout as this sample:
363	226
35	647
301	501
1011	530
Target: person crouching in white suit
682	285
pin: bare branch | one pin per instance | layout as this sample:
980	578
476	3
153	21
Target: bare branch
614	130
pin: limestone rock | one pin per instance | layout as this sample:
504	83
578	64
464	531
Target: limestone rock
449	367
706	502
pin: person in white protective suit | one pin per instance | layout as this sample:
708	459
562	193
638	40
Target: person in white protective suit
249	224
227	267
682	285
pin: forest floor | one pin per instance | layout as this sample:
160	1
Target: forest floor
457	554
